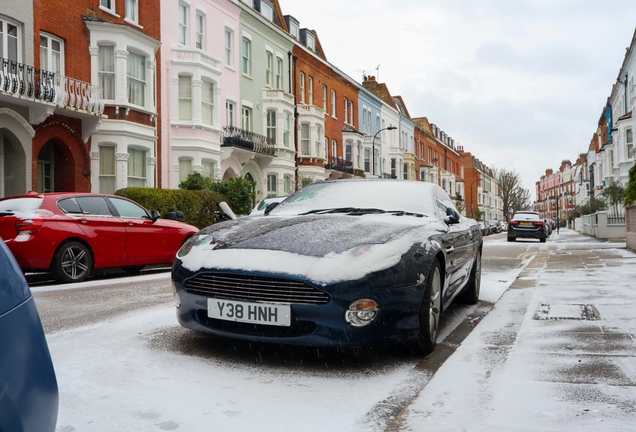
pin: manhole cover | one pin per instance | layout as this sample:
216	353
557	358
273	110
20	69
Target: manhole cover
566	312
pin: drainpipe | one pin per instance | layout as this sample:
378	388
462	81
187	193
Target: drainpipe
295	59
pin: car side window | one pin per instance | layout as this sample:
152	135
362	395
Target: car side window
94	206
129	209
69	206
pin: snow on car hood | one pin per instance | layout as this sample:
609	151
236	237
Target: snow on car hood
324	249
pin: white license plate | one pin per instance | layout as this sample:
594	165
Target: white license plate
248	312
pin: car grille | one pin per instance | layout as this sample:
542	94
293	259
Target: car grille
255	288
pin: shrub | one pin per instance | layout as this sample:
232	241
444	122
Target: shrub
630	190
198	206
239	192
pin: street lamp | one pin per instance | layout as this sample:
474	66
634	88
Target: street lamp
373	143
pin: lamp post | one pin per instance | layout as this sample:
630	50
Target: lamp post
373	143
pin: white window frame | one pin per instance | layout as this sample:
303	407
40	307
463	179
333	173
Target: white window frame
4	36
229	47
279	73
47	53
287	130
130	78
108	6
294	30
310	90
106	75
346	110
185	98
229	114
271	125
269	66
333	103
137	180
305	139
200	31
246	118
272	184
267	11
107	176
629	143
185	168
132	11
324	97
183	12
207	105
301	85
246	56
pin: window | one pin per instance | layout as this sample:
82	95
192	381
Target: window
629	139
200	31
229	46
346	110
301	84
348	151
109	5
246	119
324	97
311	43
294	30
207	102
269	64
367	160
405	171
304	139
9	47
246	53
318	138
52	54
271	184
132	11
136	168
107	169
279	73
267	11
185	169
333	103
106	70
136	79
287	130
271	126
334	149
351	113
208	169
229	114
127	209
393	168
183	24
288	184
185	97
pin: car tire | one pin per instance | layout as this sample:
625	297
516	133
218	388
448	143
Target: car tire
470	294
542	239
73	262
133	270
430	312
511	239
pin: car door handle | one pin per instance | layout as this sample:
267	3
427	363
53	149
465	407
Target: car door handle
449	250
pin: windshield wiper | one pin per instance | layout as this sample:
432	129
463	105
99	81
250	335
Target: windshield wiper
347	210
405	213
6	214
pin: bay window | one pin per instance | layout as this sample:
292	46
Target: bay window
207	103
185	97
106	70
304	139
107	169
271	126
136	79
136	168
272	182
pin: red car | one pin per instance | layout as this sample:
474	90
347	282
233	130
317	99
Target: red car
69	234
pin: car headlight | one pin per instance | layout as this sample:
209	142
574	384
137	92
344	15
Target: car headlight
362	312
195	240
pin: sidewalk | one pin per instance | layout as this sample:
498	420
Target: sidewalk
556	353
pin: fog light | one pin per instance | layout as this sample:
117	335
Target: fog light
361	312
175	296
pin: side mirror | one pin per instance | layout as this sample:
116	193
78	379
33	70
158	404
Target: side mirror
271	206
452	217
227	211
154	215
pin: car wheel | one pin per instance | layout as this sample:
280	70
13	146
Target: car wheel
511	239
542	239
72	262
470	295
430	312
133	270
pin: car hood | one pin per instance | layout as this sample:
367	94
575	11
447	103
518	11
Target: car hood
324	248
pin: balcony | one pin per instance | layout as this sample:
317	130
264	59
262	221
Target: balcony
246	140
195	57
339	164
311	110
271	96
29	84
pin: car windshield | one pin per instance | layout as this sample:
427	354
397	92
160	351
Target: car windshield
362	197
20	205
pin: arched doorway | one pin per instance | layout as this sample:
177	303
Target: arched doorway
250	177
56	168
12	165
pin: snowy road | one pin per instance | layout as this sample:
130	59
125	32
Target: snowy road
123	363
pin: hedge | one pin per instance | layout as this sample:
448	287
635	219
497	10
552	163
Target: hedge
198	206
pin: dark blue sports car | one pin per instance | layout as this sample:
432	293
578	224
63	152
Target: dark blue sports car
338	263
28	388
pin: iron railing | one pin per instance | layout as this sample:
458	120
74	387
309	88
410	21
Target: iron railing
241	138
339	164
23	80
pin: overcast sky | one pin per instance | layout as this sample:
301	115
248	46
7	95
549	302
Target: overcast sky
521	84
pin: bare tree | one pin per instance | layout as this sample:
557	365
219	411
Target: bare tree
513	195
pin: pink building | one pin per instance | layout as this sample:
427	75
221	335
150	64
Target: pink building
200	84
